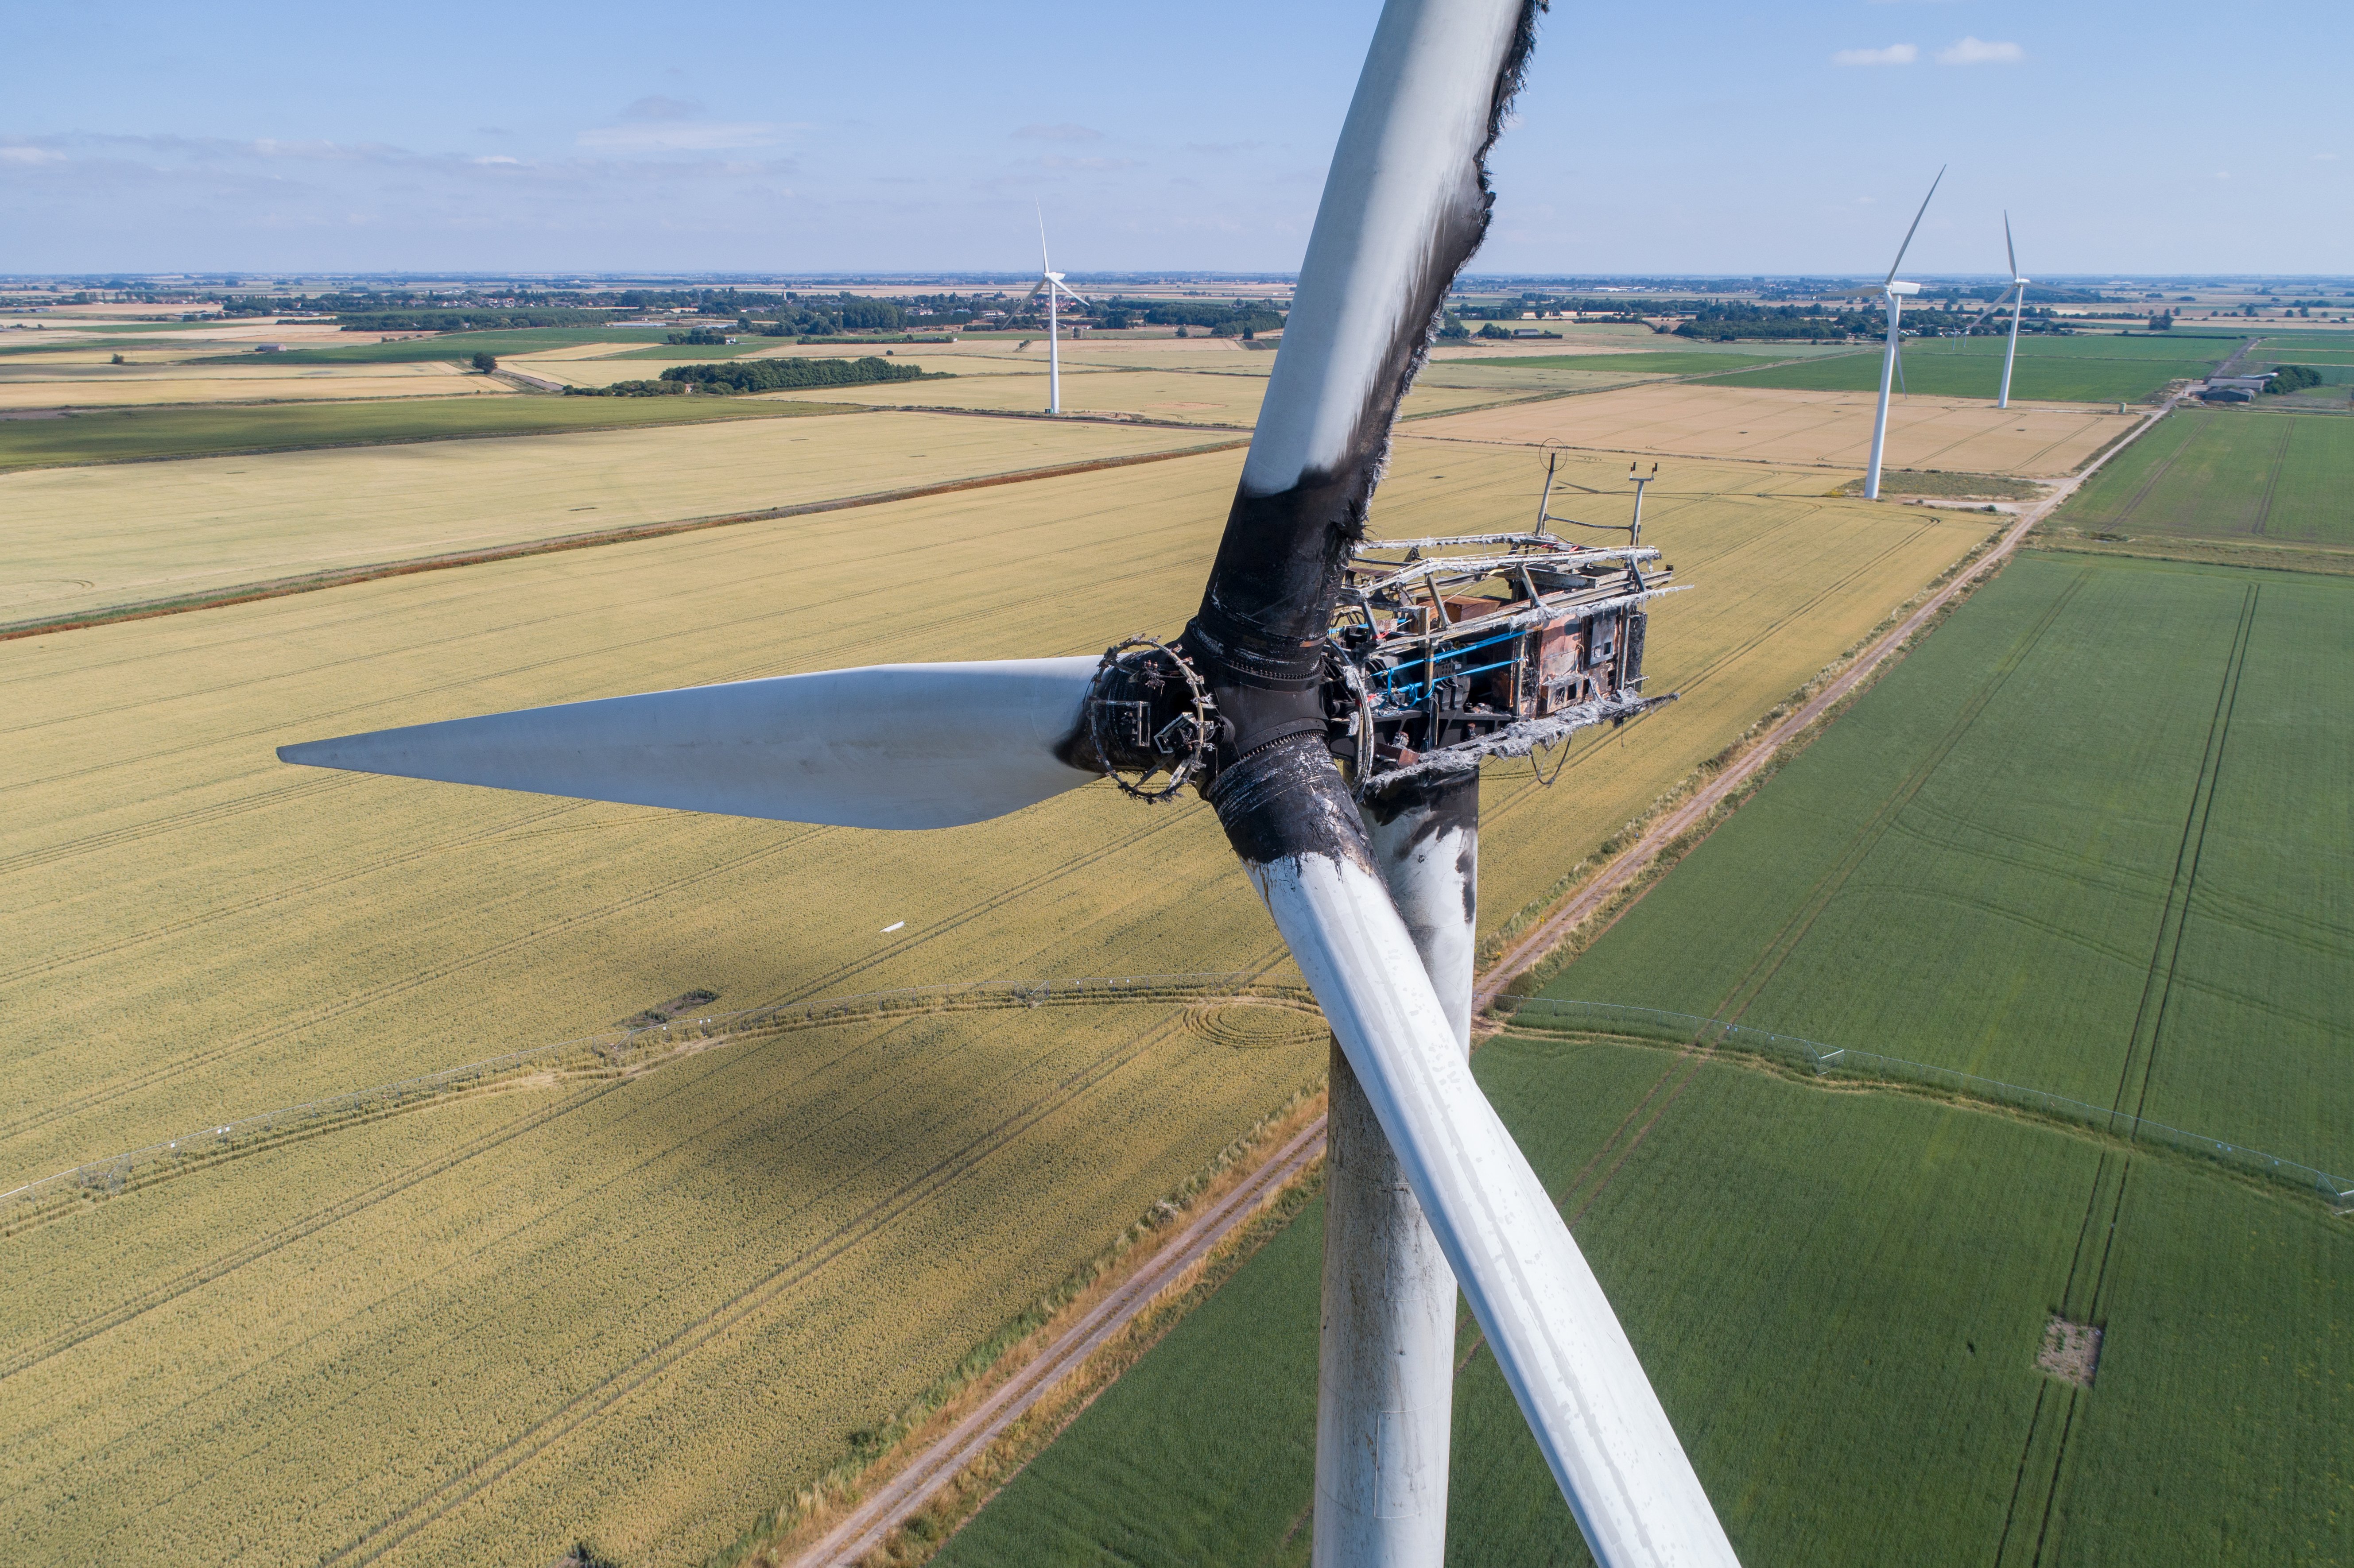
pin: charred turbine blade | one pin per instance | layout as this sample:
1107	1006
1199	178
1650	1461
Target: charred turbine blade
1405	205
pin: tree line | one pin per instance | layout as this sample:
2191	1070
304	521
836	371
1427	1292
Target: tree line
742	375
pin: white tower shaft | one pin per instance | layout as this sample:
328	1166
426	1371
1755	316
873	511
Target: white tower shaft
1880	416
1385	1372
2009	355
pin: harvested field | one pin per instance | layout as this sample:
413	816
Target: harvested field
1197	397
472	1333
85	538
2261	484
1842	1299
203	933
1830	430
2049	369
2087	839
122	386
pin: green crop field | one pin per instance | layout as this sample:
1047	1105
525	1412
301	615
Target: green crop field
2051	369
466	344
1840	1297
2086	839
568	1291
132	434
1681	362
2234	476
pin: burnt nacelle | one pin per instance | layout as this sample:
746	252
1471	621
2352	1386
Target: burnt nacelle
1438	646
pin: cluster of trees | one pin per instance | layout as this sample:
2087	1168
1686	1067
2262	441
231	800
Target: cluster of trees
1218	318
1806	323
1734	321
699	337
758	376
2294	378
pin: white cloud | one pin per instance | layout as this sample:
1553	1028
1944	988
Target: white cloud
1977	51
1059	162
498	158
2318	157
30	155
680	136
1064	132
1894	55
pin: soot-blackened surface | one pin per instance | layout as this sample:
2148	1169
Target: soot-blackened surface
1450	800
1290	799
1271	589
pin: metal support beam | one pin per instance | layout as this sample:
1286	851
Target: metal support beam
1386	1369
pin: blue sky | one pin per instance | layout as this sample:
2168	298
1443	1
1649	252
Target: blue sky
1698	137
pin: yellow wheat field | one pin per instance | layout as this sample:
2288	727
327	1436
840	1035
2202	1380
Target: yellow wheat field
1195	398
1832	429
107	386
643	1312
83	538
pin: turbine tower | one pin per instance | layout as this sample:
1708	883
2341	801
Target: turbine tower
2018	308
1306	654
1050	283
1893	292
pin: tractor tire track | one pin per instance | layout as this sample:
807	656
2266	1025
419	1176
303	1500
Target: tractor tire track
2140	1061
2272	478
51	963
1794	932
66	1338
176	822
618	1384
355	1002
618	1179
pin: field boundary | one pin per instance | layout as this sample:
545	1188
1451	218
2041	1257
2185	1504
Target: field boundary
309	582
1658	1026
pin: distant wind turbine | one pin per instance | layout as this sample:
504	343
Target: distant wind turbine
1050	283
1893	292
2018	307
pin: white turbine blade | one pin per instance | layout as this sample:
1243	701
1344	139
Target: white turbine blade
1045	264
2010	250
891	746
1915	229
1568	1361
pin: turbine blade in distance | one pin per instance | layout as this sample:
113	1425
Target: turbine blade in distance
891	746
1915	229
1568	1361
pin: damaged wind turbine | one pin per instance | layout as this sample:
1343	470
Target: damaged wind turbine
1312	646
